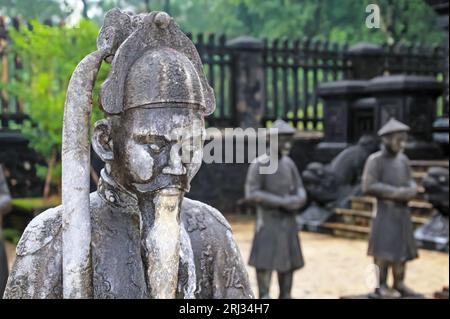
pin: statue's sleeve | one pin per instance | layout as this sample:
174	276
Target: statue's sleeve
37	269
371	184
254	189
230	277
410	191
298	199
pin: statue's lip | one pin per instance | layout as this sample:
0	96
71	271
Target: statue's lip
171	191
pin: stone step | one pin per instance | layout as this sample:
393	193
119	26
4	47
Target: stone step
369	201
424	165
341	227
418	177
419	220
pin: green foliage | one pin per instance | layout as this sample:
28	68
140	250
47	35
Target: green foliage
50	55
333	20
32	205
12	235
44	10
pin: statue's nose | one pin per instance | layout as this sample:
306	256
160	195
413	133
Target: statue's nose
175	166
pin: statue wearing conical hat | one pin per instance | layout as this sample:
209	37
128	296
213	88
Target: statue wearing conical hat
387	176
278	197
137	236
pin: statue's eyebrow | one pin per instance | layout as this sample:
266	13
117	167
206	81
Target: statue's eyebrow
146	137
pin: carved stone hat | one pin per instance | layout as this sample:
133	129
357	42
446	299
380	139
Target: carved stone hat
393	126
156	66
283	127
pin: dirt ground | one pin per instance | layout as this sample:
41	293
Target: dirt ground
337	267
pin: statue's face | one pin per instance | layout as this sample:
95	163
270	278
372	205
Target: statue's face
395	142
284	144
158	148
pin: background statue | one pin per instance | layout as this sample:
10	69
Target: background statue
278	196
137	236
436	192
5	207
387	176
332	185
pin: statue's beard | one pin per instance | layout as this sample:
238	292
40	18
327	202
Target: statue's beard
161	243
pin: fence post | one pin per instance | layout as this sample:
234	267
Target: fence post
248	81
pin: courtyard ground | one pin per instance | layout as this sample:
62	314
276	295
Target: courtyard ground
337	267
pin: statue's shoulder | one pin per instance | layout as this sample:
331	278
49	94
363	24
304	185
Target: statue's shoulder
260	160
290	162
374	157
198	216
40	231
404	157
45	227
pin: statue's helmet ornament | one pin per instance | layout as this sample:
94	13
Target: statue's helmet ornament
156	64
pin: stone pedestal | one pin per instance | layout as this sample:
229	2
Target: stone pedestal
412	100
339	112
366	61
248	86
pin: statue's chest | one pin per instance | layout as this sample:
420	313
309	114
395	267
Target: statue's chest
281	182
118	270
394	172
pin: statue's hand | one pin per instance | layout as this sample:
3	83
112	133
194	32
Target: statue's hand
292	202
405	193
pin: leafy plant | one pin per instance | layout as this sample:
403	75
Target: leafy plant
49	55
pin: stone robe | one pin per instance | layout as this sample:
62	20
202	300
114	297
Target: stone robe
210	262
388	178
276	244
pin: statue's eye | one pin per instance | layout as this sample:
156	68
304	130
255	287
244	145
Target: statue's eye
155	148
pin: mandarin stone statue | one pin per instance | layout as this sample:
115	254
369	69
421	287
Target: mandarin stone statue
5	207
137	236
278	197
387	176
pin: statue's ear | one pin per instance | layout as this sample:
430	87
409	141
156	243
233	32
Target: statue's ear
102	141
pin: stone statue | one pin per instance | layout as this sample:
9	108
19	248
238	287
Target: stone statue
332	185
387	176
436	192
137	236
5	207
278	197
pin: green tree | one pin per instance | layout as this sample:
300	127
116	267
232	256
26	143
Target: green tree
50	55
43	10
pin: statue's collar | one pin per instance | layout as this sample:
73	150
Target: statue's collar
387	153
113	193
